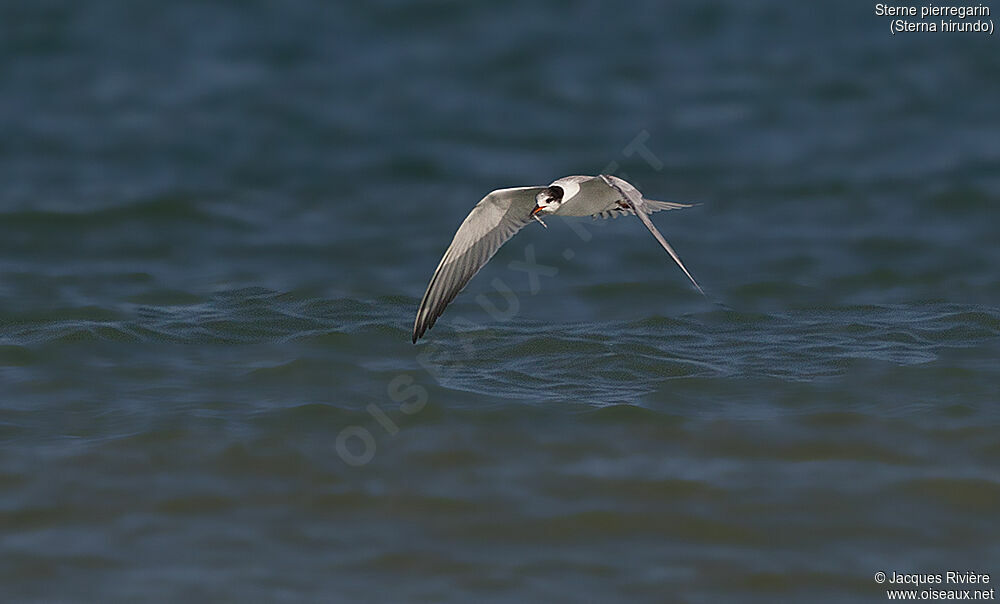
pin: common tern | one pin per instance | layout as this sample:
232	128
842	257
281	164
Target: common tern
504	212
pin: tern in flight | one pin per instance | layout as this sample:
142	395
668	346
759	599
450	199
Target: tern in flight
504	212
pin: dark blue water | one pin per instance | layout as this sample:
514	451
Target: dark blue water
217	220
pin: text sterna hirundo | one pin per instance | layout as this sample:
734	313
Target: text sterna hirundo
504	212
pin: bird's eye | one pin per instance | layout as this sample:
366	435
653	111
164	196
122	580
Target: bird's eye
555	193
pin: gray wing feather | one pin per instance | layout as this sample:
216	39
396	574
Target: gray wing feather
494	220
637	204
670	250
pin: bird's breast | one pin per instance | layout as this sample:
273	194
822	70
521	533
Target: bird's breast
585	206
590	201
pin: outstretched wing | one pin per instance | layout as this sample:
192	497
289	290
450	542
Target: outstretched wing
494	220
634	200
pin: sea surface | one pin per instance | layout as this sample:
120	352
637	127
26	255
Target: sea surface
217	220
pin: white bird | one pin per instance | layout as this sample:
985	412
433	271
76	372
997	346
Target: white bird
504	212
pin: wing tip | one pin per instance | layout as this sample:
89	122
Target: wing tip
419	328
425	320
418	325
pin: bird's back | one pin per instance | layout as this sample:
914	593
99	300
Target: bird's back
593	196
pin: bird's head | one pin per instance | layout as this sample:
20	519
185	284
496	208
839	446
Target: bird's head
548	200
